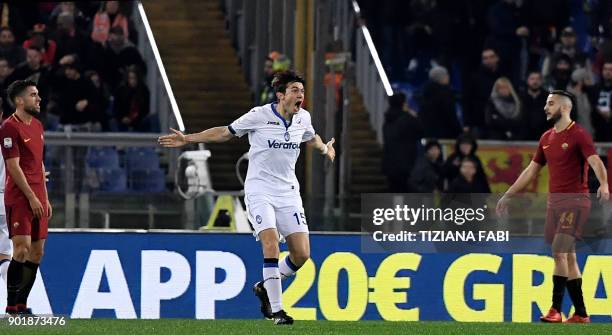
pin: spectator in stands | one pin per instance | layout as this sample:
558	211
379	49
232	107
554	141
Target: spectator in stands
39	39
9	50
19	16
580	86
108	16
5	72
603	97
100	100
507	32
132	102
267	91
533	100
402	132
74	96
478	90
503	112
438	106
118	54
72	43
466	181
427	174
80	20
465	146
567	46
32	69
559	77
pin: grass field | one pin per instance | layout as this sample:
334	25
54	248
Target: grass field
225	327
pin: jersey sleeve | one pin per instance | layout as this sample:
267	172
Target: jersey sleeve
585	144
10	141
539	155
309	134
244	124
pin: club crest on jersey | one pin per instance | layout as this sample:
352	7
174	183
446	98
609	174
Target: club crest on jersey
564	146
8	142
287	137
258	218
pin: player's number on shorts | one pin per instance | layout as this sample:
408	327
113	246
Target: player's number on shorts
567	219
297	218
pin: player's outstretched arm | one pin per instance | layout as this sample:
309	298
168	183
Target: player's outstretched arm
212	135
326	149
14	170
530	172
603	193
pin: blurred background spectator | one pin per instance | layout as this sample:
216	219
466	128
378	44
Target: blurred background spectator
402	131
478	91
38	38
603	94
79	54
465	146
438	106
533	100
503	112
427	175
467	181
132	102
580	86
108	16
9	49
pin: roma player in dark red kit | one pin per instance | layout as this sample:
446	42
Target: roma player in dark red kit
568	150
27	204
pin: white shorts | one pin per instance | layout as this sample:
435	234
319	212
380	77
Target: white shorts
285	214
6	246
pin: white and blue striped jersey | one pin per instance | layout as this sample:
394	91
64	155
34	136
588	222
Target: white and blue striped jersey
275	147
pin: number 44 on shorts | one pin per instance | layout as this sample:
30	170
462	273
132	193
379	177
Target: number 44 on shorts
300	218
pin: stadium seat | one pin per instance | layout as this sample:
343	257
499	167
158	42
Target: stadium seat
102	157
141	159
148	180
111	180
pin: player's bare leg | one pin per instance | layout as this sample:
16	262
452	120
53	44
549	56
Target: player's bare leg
574	288
30	270
299	253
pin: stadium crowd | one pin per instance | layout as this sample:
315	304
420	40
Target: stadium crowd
482	70
82	55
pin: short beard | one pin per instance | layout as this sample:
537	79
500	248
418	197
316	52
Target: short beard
554	118
31	110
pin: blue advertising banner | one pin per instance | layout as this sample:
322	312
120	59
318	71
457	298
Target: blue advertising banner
210	276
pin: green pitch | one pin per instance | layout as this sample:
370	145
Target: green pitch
226	327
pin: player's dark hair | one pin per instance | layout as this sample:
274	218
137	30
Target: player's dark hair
282	79
570	96
16	88
565	94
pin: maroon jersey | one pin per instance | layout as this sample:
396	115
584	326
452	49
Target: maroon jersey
566	153
25	141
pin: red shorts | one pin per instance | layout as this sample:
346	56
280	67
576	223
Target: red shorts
21	221
568	218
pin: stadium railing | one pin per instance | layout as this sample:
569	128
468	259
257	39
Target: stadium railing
113	180
370	76
162	100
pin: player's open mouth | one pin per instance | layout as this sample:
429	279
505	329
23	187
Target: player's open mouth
298	104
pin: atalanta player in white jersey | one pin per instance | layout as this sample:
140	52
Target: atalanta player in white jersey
272	193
